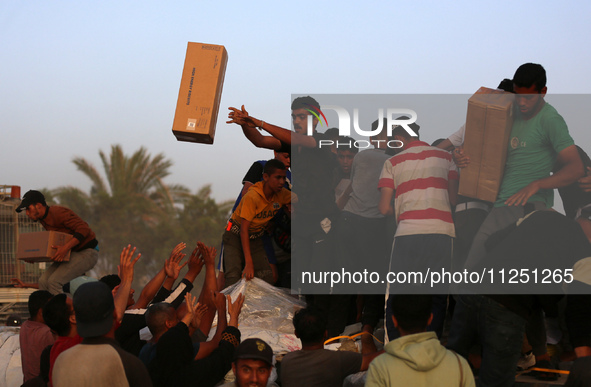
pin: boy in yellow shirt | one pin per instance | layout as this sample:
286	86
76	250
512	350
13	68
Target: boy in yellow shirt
244	253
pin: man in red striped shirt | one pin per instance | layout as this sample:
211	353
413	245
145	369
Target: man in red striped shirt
424	182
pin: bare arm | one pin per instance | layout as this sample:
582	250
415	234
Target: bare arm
126	265
209	286
170	270
585	181
250	131
571	171
385	204
446	145
207	348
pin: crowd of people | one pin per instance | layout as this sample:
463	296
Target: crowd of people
386	209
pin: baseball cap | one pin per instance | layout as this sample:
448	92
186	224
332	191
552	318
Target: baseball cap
94	306
254	349
31	197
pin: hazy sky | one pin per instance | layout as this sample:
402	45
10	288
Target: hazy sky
77	77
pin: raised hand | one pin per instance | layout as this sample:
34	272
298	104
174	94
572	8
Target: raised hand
207	253
198	316
127	263
239	117
220	301
234	309
172	266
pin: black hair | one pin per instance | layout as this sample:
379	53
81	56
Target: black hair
437	142
310	325
304	103
399	130
157	315
272	165
530	74
56	314
412	311
332	133
37	300
111	280
506	85
346	143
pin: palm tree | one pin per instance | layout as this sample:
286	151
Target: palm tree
130	204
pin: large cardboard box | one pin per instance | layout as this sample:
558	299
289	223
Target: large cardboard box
36	246
200	93
488	126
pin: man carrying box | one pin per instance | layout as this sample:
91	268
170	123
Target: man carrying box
243	247
538	139
83	247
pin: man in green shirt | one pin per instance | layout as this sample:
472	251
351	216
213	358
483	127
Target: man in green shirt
539	138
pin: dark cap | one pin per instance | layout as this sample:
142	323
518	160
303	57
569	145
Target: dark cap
31	197
254	349
94	306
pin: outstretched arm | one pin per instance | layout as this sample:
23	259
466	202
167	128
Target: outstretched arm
250	131
169	272
206	348
209	286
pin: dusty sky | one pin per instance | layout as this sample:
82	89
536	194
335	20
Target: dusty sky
78	77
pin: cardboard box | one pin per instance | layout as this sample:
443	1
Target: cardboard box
488	127
36	246
200	93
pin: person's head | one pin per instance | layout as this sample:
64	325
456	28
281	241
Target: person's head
437	142
253	361
34	204
58	314
529	85
401	134
530	75
111	280
160	317
346	151
274	175
284	157
300	110
310	325
506	85
95	309
411	313
74	284
37	301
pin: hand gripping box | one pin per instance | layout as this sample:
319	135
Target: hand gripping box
200	93
488	127
36	246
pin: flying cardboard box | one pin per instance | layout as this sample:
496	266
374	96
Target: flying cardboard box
36	246
200	93
488	127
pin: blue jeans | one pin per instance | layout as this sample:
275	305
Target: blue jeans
480	319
